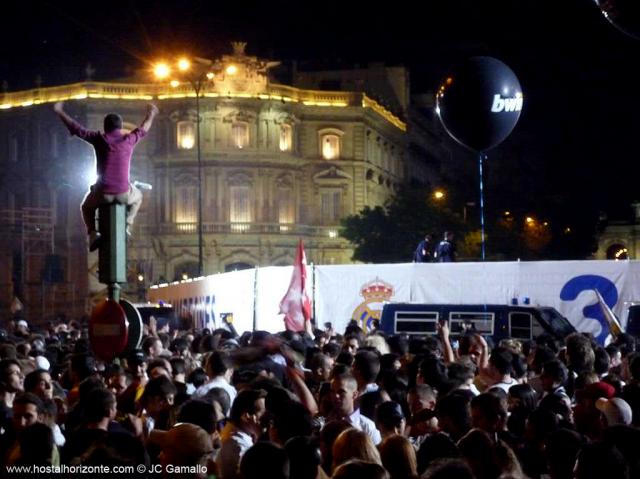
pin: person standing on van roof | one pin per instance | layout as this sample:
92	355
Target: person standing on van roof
446	251
423	253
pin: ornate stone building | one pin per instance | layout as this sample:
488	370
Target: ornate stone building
620	240
279	163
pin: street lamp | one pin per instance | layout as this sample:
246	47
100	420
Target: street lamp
197	73
438	194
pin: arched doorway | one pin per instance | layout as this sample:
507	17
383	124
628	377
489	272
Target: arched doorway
237	266
186	270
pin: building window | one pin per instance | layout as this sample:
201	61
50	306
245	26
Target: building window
330	147
186	135
331	206
240	205
285	206
240	134
186	210
286	137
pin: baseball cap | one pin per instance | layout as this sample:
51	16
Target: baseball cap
599	390
136	357
615	410
42	363
22	323
185	441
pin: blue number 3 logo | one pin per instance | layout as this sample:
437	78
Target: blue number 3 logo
589	282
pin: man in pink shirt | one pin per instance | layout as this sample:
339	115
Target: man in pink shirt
113	158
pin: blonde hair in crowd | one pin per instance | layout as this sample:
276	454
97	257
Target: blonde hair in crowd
354	444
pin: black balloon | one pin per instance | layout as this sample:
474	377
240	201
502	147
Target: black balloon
480	102
623	14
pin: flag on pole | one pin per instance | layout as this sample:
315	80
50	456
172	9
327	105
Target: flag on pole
296	304
615	329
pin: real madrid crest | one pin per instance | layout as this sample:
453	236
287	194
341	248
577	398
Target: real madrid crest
375	294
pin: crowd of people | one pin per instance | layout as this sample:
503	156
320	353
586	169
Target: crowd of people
346	406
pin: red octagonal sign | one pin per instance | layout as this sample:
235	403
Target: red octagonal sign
108	330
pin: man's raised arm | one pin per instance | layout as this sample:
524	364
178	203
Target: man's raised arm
152	111
73	126
66	119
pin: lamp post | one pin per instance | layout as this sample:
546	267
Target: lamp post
198	74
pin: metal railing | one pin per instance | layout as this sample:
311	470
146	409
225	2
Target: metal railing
149	91
239	228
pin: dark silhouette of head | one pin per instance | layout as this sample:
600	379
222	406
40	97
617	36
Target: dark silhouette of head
112	122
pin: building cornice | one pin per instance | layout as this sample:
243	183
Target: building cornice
154	91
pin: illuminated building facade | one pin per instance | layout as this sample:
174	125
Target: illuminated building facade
279	163
620	240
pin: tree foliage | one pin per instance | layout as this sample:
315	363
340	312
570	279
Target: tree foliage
391	233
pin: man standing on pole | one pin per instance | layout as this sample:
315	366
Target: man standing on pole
113	159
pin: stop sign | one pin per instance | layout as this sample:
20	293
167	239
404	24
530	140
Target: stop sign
108	330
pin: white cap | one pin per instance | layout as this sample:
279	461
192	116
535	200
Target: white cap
616	410
42	363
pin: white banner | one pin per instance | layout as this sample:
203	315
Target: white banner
346	292
207	298
273	283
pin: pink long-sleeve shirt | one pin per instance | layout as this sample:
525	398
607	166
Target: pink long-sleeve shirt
113	155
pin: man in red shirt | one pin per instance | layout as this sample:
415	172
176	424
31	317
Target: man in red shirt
113	158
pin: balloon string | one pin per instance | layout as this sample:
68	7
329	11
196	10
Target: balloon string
481	158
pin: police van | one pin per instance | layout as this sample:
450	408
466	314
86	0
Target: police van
495	320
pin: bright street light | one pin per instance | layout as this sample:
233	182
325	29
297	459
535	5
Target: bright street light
161	70
195	72
184	64
438	194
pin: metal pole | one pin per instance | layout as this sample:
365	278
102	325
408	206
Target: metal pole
481	158
200	258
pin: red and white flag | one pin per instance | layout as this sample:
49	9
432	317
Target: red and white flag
296	304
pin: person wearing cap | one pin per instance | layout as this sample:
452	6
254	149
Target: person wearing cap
22	329
246	421
185	445
586	416
137	366
616	411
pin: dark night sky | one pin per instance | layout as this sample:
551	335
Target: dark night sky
577	135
